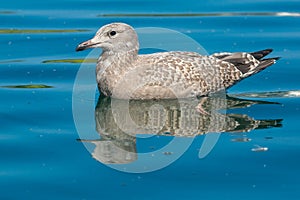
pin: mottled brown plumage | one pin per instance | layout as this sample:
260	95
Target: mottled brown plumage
122	73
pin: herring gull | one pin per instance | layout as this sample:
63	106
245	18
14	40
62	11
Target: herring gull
123	73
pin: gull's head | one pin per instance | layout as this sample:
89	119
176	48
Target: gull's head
115	37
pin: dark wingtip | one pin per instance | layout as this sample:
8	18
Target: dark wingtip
260	54
268	50
275	58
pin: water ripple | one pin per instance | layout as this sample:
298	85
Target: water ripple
223	14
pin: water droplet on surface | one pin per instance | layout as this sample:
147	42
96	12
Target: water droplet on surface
259	149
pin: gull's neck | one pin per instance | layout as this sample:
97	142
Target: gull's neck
117	61
112	66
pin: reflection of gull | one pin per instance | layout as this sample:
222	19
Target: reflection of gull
120	149
122	73
277	94
118	128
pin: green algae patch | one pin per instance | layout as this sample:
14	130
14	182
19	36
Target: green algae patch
30	86
71	61
37	31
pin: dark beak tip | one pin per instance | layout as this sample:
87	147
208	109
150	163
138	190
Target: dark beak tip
79	48
85	45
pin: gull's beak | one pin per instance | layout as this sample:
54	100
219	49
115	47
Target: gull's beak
85	45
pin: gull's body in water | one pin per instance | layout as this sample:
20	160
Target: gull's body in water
123	73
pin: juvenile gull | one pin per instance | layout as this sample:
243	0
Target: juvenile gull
122	73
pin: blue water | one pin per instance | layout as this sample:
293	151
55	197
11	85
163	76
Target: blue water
41	156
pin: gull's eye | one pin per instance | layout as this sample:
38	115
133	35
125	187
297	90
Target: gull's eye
112	33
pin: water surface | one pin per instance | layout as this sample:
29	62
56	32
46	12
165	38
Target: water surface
44	157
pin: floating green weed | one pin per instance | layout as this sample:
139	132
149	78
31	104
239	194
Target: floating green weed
36	31
30	86
71	61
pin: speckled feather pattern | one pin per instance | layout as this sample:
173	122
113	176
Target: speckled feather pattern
122	73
